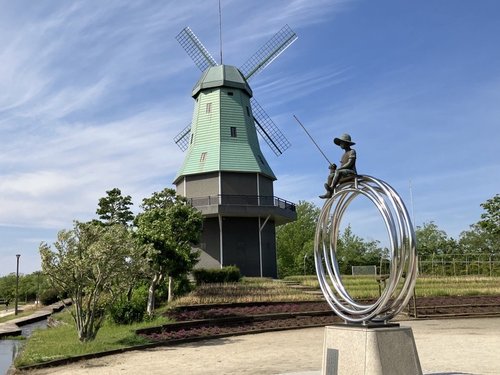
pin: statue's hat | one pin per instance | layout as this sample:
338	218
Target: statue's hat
345	138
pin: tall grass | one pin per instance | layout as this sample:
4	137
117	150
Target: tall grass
249	290
368	287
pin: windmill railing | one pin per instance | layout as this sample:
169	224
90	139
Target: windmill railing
242	200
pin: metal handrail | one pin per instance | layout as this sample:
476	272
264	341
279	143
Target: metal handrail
242	200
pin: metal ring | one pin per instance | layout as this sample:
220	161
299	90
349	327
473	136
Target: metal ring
403	255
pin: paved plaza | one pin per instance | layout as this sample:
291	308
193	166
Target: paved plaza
445	347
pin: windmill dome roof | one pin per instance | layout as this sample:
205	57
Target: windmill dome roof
221	75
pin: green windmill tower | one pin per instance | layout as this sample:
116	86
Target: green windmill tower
225	174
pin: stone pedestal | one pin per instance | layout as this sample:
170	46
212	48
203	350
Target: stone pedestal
358	350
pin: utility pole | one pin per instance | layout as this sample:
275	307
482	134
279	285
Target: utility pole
17	284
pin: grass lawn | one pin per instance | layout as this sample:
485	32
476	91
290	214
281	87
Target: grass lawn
62	342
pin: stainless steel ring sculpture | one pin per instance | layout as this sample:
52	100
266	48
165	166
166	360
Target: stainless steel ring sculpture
403	256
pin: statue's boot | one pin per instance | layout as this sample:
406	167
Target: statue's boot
328	193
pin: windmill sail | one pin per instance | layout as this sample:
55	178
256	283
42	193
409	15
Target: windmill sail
268	52
195	49
266	128
182	139
203	60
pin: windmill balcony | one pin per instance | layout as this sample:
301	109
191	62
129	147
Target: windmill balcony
281	210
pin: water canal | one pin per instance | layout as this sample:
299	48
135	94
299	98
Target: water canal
10	348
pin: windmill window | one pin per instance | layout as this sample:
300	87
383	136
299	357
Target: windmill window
208	108
203	156
248	111
233	132
230	93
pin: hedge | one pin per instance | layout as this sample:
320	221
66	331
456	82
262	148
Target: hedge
228	274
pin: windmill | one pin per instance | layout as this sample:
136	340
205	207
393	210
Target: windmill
225	174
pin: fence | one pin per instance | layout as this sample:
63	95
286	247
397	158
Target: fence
363	270
454	265
460	265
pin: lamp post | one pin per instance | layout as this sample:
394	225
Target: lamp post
17	283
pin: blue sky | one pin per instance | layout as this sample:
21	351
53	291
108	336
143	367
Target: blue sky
92	93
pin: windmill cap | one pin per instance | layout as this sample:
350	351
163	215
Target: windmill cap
345	138
221	76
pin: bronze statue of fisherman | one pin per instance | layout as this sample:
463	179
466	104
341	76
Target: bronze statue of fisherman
347	165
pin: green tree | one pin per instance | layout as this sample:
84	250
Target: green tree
171	227
483	236
433	241
474	241
353	250
8	287
30	286
112	209
115	208
91	263
490	220
295	241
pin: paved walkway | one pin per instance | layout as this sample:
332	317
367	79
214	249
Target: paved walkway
445	347
11	327
5	312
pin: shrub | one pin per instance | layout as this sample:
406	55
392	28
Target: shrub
127	312
229	274
182	286
49	296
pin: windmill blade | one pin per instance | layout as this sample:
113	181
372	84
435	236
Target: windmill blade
274	138
268	52
195	49
182	139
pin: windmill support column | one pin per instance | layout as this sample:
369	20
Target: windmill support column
220	241
260	243
258	191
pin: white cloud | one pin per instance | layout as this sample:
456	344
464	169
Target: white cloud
34	184
92	93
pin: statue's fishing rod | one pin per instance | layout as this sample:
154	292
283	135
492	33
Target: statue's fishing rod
312	139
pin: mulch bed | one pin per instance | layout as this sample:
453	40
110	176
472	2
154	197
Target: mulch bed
211	321
218	329
244	309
